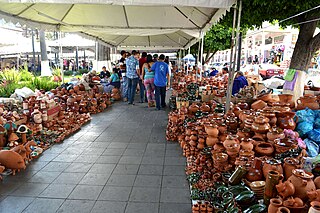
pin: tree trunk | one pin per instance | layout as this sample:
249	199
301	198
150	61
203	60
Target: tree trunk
305	47
211	55
45	69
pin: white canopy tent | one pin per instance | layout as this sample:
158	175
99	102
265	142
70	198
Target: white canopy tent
125	24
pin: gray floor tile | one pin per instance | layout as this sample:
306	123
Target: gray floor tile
102	168
73	150
15	204
76	206
69	178
175	195
55	167
99	145
109	207
36	165
86	192
108	159
57	191
134	207
175	161
44	205
175	208
150	170
154	153
133	152
148	180
110	151
65	158
30	189
144	194
78	167
126	169
130	160
46	157
93	151
141	146
44	177
121	180
115	193
118	145
7	188
86	158
174	182
152	160
95	179
174	170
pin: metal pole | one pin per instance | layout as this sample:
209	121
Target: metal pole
96	56
229	88
201	64
77	59
33	53
61	57
239	52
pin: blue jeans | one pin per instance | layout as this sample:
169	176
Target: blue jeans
132	87
125	87
160	97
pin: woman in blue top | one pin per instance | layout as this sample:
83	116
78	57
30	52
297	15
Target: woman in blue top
147	76
114	79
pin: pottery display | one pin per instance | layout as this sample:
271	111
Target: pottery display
275	204
303	182
309	101
272	165
260	125
285	120
289	165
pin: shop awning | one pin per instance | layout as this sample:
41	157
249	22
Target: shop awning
144	24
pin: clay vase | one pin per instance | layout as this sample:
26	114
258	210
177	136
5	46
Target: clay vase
286	98
289	165
272	165
275	203
193	108
285	120
285	189
212	131
317	182
283	209
260	125
302	182
315	207
211	141
273	179
246	144
255	172
264	149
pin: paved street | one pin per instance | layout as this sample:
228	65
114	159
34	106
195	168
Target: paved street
119	162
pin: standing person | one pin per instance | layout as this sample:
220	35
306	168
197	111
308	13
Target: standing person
161	74
142	61
132	75
155	57
148	77
123	71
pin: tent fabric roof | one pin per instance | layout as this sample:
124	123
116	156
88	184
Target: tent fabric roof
170	24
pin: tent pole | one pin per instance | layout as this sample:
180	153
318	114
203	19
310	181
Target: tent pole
96	56
61	57
230	72
201	64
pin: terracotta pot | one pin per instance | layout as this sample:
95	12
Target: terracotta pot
212	131
260	125
289	165
218	147
314	195
315	207
285	120
272	180
220	157
246	144
264	149
205	108
287	98
200	145
275	133
265	97
284	145
283	209
285	189
317	182
272	165
230	140
302	182
309	101
231	123
255	172
258	105
211	141
243	105
275	203
193	108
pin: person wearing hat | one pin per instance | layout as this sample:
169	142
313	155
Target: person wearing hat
239	82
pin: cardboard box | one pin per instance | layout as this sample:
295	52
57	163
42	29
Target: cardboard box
53	112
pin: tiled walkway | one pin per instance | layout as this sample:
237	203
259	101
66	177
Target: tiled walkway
119	162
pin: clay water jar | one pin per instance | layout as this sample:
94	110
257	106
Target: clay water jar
272	165
303	182
289	165
275	204
260	125
285	120
264	149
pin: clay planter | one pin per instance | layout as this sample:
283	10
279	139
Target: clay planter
285	120
275	203
272	164
302	182
289	165
264	149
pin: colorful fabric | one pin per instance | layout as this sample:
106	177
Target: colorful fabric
149	84
132	66
289	85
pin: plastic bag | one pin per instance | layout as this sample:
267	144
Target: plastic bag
316	124
316	113
304	127
312	148
25	92
307	115
314	135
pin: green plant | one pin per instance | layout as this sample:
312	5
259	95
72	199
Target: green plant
25	75
68	72
44	83
83	71
8	89
56	72
10	76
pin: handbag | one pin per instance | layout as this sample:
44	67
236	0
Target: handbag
290	75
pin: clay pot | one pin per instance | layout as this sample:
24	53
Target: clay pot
218	147
284	145
275	203
243	105
211	141
264	149
273	179
287	98
246	144
195	207
232	123
205	108
289	165
309	101
230	140
193	108
200	145
317	182
285	189
269	113
272	164
285	120
265	97
212	131
258	105
314	195
283	209
275	133
260	125
315	207
220	157
302	182
255	172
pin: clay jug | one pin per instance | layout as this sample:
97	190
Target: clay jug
285	120
285	189
275	203
302	182
289	165
255	172
315	207
272	164
273	179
